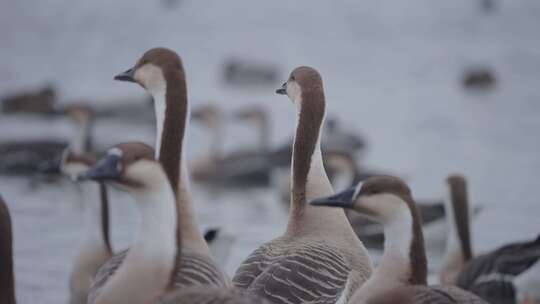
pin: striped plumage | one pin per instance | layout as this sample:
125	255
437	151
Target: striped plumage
192	270
306	271
427	295
211	295
490	275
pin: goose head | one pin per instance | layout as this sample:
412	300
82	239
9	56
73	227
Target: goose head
301	82
152	69
382	198
128	166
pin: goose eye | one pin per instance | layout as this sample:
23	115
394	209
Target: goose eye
292	78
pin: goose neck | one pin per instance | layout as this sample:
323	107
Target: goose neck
96	221
309	179
146	270
171	110
404	258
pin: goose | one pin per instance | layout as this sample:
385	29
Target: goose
26	156
7	280
344	172
308	263
490	275
401	276
95	247
160	72
147	273
240	168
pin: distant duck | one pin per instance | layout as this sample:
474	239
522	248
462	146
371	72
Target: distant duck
241	168
401	276
23	157
479	78
318	259
7	278
490	275
39	101
245	72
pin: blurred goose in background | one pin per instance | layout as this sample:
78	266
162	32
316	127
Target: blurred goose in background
241	168
95	247
160	71
38	101
401	276
25	156
318	259
490	275
145	274
7	279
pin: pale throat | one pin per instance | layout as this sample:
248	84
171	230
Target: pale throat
160	106
395	263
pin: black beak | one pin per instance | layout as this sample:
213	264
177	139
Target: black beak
211	234
282	90
50	167
344	199
128	75
107	168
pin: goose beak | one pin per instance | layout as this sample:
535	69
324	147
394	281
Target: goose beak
51	166
282	90
344	199
107	168
128	75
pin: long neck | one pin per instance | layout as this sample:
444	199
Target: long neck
264	134
171	107
7	284
146	270
458	243
82	141
404	260
96	217
309	179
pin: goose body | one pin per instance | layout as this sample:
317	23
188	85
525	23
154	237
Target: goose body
307	263
160	71
490	275
401	276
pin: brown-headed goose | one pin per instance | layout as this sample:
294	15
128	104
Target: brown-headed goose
240	168
147	273
318	259
7	280
401	276
490	275
161	73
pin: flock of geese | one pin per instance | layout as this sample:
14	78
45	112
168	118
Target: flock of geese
318	259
